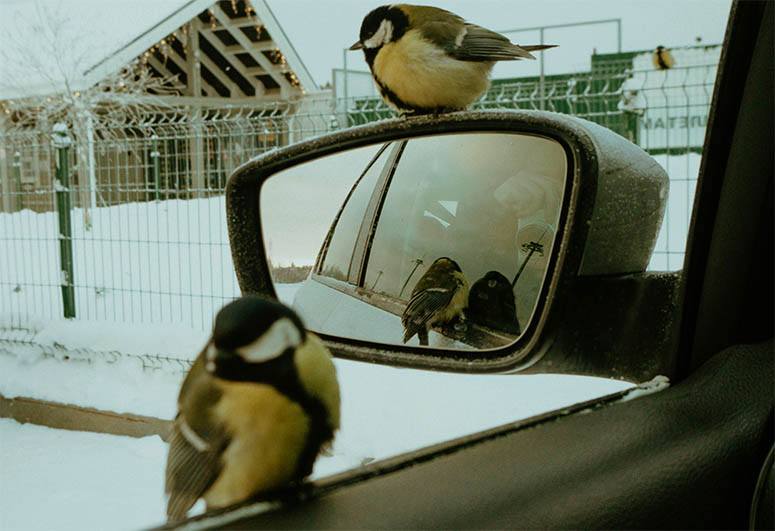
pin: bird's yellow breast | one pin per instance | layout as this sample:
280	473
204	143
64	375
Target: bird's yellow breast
268	431
423	75
457	304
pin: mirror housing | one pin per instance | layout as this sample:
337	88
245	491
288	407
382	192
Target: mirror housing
608	227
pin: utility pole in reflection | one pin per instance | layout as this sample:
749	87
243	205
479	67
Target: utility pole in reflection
417	262
529	248
379	276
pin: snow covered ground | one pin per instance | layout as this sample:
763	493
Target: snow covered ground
92	481
68	480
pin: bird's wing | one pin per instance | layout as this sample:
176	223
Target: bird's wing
423	306
476	43
193	464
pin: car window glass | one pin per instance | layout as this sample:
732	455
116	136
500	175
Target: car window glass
479	199
338	257
305	201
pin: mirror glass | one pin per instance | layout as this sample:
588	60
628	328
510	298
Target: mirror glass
440	241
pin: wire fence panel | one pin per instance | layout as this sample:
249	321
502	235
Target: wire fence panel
147	215
148	231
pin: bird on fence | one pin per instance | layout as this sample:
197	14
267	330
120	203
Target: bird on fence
662	58
258	405
440	296
429	60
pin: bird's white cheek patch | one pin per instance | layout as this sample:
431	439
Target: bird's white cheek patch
283	334
382	36
212	352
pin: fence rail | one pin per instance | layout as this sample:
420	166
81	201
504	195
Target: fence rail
148	232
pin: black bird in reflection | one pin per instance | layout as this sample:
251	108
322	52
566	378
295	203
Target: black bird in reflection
491	303
439	297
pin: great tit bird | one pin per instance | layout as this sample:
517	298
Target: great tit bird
662	58
258	405
491	303
429	60
439	297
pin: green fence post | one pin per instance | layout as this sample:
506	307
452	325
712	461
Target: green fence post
62	142
17	177
156	169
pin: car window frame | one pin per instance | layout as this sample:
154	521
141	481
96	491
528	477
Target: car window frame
373	211
322	253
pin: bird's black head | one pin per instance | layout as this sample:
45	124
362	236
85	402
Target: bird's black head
383	25
660	48
491	303
253	330
494	278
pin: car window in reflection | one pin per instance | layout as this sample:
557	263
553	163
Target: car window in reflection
338	257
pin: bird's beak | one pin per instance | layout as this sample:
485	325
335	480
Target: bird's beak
357	46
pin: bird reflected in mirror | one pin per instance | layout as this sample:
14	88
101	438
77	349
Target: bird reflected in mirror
260	402
439	297
662	58
491	303
428	60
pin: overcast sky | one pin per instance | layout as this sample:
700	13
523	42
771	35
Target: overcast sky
320	29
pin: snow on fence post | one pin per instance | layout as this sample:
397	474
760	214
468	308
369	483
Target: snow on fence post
156	168
17	177
92	165
62	141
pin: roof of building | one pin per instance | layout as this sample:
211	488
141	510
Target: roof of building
51	46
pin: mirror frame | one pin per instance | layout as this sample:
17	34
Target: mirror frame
250	261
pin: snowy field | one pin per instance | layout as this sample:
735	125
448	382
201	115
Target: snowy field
92	481
68	480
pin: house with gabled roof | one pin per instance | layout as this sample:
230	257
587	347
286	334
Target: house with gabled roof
194	56
225	49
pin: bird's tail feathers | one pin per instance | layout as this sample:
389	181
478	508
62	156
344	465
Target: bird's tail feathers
534	48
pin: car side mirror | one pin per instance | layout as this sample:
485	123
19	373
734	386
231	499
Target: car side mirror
448	242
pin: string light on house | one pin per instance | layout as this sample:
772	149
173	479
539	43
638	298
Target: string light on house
184	40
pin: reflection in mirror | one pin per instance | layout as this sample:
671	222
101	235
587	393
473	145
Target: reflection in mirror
440	240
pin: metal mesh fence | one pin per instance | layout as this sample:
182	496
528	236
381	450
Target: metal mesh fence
148	233
147	218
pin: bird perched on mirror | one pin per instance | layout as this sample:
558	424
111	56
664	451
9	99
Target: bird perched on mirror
258	405
491	303
440	296
429	60
662	58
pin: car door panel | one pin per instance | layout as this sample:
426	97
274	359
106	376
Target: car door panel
686	457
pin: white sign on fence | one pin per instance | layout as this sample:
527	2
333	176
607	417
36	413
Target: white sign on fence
672	105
